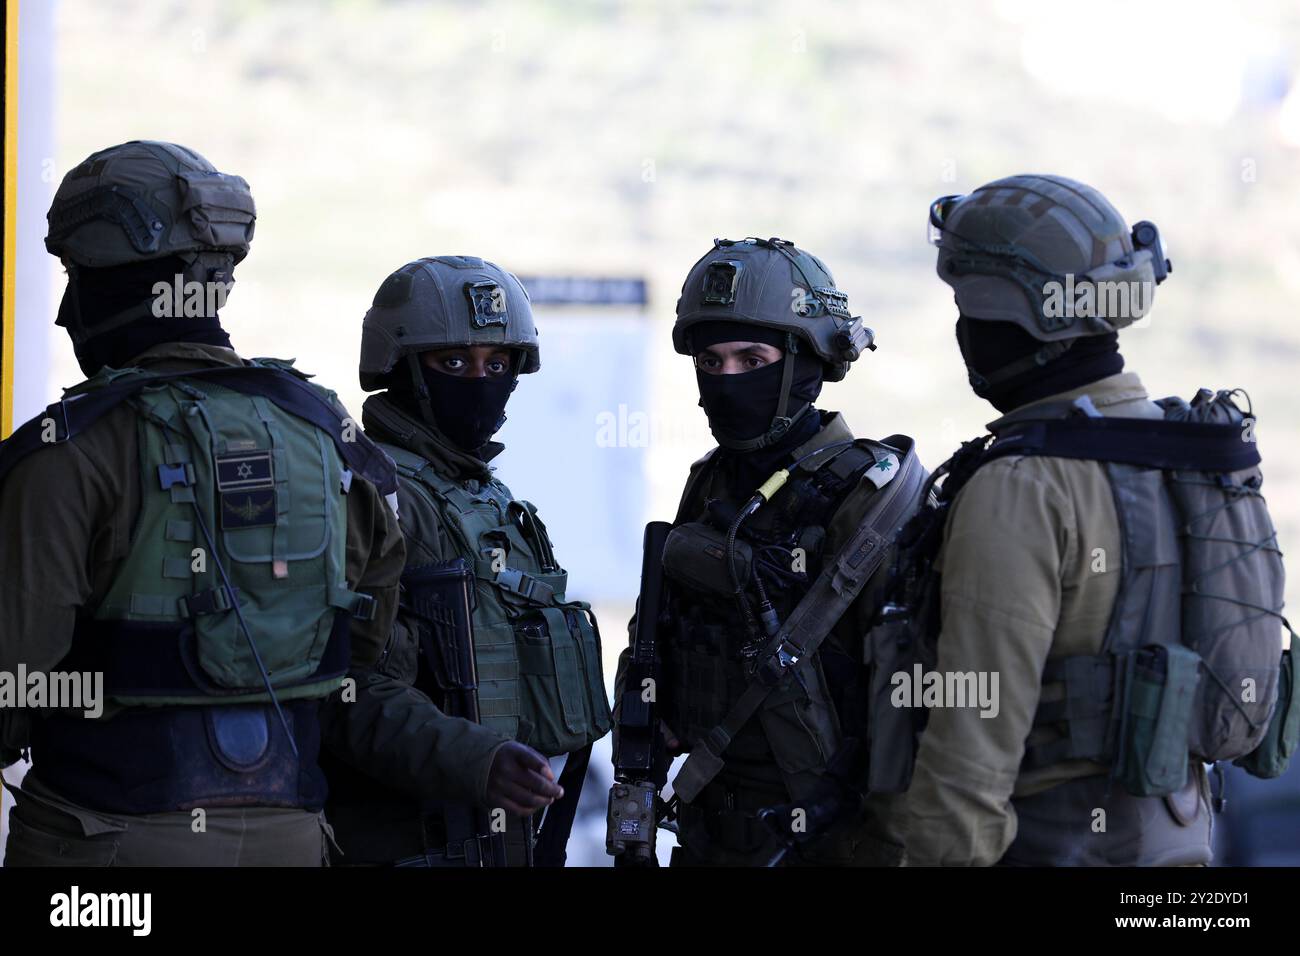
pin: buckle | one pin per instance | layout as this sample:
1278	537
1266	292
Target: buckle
364	607
470	851
211	601
774	667
526	586
181	473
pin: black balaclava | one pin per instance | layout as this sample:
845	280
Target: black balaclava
988	347
741	407
98	296
467	411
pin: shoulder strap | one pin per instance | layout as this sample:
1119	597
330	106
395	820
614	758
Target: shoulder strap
1146	442
287	390
408	463
799	638
699	469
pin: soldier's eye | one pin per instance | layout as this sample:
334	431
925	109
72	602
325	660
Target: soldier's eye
453	363
497	367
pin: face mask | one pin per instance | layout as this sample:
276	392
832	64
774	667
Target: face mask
977	383
468	410
741	407
989	348
98	296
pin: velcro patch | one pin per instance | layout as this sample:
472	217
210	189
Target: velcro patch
883	471
243	471
254	508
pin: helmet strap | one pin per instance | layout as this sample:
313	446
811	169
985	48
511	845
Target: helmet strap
416	373
76	325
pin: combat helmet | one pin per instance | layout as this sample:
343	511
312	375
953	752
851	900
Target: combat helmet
773	284
444	302
145	200
1049	254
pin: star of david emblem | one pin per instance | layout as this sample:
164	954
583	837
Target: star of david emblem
245	470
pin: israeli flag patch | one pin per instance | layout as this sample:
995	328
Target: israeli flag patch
883	471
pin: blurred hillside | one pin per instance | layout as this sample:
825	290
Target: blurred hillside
607	137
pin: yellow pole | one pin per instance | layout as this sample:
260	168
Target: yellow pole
10	245
11	217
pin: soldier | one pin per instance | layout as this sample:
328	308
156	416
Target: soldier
195	530
1061	572
771	564
447	338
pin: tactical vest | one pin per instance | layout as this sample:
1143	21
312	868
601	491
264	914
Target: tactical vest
229	482
1156	814
788	743
1194	623
540	678
1192	645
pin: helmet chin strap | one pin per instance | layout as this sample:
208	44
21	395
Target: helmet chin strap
421	390
781	423
75	321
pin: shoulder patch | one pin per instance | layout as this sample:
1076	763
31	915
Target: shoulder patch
883	471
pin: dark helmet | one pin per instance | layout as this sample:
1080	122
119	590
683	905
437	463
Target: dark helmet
443	302
146	200
774	284
790	295
1017	249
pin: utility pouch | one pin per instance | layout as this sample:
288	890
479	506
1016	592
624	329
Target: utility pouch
1158	689
1273	755
562	702
893	728
695	556
219	207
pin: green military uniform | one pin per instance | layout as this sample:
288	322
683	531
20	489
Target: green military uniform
1061	572
1011	604
128	539
58	559
537	653
780	753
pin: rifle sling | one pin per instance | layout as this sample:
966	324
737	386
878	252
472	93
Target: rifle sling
835	589
557	823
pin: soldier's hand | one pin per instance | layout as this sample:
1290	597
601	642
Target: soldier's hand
521	781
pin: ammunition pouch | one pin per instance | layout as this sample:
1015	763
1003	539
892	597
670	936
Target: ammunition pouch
1272	757
1155	719
1132	711
695	556
537	653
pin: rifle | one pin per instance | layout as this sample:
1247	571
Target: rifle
640	758
441	598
